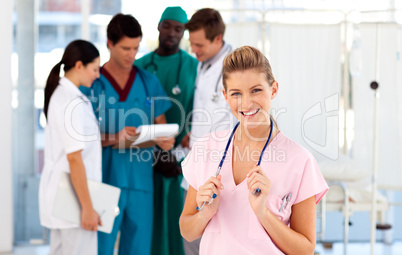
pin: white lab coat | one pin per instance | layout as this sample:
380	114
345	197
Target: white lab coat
208	115
71	126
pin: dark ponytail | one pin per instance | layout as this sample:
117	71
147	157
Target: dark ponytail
78	50
51	84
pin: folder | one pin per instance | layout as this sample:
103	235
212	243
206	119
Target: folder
146	134
105	199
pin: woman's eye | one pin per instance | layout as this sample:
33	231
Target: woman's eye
256	90
236	94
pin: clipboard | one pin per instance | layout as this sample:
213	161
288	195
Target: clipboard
105	199
146	134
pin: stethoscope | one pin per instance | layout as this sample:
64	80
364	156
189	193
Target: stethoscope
100	108
176	90
224	156
215	95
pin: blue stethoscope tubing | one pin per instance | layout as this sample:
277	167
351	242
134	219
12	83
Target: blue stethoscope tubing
226	150
148	102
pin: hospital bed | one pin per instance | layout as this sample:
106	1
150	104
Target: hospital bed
350	192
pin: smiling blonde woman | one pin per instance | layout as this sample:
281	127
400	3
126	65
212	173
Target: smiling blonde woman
262	199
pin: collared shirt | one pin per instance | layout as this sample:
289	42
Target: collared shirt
226	49
71	126
210	111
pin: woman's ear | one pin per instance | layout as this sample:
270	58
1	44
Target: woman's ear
224	94
78	65
275	87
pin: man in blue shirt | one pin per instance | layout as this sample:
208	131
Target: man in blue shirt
123	98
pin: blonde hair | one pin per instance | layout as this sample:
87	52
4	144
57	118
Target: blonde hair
246	58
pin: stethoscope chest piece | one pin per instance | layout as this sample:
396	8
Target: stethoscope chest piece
176	90
215	97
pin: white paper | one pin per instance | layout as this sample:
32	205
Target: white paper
150	132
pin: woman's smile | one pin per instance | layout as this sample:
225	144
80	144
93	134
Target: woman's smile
251	113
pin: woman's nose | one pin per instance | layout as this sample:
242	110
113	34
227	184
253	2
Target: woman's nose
246	102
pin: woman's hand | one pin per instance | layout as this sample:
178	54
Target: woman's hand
256	178
210	190
165	143
90	219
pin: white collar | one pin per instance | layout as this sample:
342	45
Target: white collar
226	49
69	85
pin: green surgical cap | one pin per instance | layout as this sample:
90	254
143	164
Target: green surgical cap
175	13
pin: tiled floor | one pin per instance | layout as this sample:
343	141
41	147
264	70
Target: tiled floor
337	249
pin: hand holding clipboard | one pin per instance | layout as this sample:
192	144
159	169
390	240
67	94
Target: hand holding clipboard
146	134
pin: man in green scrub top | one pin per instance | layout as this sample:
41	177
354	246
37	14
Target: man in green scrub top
176	71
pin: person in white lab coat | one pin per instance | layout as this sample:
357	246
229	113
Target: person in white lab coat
210	111
72	144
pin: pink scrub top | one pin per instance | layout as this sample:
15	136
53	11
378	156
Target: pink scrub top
235	229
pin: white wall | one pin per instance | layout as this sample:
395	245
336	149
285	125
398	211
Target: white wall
305	62
6	211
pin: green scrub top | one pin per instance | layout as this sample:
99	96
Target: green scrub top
168	195
168	69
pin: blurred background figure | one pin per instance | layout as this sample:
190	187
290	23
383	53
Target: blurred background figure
211	113
123	100
72	145
176	71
